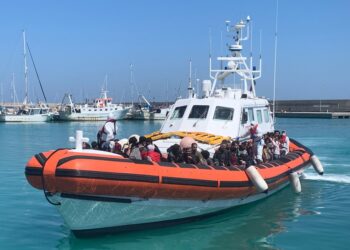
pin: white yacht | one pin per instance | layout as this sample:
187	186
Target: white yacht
28	113
98	111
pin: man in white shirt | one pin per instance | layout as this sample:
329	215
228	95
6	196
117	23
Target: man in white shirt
108	132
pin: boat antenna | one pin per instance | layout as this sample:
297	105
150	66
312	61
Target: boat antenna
37	74
190	88
210	42
274	68
25	101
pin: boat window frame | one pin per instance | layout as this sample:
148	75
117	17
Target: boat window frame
251	114
184	107
258	111
266	115
232	110
202	116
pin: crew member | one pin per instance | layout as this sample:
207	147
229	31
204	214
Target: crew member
107	133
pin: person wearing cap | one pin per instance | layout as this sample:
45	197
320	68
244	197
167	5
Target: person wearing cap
258	142
284	143
107	133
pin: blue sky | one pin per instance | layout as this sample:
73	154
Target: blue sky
76	43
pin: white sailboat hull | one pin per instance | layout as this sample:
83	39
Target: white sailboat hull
86	215
26	118
93	116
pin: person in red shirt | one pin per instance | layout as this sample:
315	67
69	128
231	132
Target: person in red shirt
151	154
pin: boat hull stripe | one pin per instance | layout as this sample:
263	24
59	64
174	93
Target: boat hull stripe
106	176
33	171
190	182
99	158
95	198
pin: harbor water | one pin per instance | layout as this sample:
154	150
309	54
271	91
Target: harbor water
318	218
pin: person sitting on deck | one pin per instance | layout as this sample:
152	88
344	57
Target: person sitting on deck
152	155
94	145
193	156
149	141
222	156
234	153
206	157
143	147
134	151
175	154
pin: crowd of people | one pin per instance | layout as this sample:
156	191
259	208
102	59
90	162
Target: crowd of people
257	148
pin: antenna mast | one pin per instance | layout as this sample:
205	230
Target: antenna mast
190	88
275	66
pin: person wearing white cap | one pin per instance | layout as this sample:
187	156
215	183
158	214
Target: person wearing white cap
258	141
107	132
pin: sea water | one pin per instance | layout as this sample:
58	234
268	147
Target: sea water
318	218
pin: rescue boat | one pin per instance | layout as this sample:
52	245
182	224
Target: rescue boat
98	192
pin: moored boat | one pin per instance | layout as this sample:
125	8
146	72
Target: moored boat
27	112
98	111
147	111
98	192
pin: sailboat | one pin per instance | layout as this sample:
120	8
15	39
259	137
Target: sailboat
147	111
28	112
144	110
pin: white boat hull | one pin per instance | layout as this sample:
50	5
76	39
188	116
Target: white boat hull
26	118
92	116
87	215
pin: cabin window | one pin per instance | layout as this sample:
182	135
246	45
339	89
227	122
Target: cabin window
106	109
259	116
251	114
199	112
178	112
266	116
223	113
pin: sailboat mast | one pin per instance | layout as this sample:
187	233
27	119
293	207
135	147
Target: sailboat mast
25	68
275	67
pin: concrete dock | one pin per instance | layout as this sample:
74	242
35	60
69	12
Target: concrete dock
326	109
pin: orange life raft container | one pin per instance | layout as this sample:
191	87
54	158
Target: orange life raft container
92	173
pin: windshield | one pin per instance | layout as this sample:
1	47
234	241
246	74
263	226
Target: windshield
199	112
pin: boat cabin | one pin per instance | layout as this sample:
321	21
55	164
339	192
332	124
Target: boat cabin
226	114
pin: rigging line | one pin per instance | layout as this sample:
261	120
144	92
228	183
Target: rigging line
274	68
37	75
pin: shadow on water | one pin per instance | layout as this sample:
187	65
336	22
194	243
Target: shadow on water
249	226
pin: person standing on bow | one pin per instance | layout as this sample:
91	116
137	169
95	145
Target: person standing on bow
106	134
258	141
